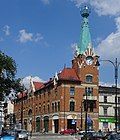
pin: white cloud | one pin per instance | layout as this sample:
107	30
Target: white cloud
102	7
106	7
6	30
24	36
117	20
38	37
79	2
110	46
46	1
26	80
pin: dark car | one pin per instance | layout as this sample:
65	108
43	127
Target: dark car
94	136
68	131
114	136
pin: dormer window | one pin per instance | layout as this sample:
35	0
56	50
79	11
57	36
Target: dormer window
89	79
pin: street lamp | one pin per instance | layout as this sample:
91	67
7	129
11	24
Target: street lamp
86	114
81	114
116	66
22	111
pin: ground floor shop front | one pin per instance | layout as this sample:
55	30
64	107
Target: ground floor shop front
107	123
54	123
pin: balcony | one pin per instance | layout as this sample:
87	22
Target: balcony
90	97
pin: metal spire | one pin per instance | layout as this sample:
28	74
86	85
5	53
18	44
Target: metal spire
85	39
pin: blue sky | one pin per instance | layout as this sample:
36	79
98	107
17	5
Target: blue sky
40	34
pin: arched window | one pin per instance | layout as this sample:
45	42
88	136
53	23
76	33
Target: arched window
89	78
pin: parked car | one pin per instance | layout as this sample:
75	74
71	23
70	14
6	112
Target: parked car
114	136
22	134
8	136
91	135
81	134
68	131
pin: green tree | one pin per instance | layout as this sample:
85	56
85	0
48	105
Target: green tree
8	71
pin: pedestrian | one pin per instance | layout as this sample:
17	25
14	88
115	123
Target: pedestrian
77	129
30	133
43	131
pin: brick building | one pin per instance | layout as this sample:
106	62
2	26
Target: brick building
65	100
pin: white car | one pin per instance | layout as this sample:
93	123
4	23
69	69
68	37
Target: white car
23	135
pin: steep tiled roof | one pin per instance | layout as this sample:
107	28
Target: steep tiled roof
38	85
68	74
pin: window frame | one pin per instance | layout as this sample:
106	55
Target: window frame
89	78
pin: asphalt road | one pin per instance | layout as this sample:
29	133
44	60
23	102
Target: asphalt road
52	137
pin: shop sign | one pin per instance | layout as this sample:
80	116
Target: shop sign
111	120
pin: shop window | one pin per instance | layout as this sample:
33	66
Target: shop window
105	124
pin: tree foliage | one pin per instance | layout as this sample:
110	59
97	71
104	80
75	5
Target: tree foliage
8	71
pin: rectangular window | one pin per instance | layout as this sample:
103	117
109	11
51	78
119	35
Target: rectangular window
105	99
55	107
44	108
58	106
72	91
48	109
52	107
91	107
105	111
72	106
118	99
89	91
105	124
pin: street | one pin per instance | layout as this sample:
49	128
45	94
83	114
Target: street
52	137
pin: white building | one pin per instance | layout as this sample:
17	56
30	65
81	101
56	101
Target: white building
107	108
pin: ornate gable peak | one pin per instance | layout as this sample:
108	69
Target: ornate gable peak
89	51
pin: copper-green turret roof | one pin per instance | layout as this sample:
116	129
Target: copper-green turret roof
85	37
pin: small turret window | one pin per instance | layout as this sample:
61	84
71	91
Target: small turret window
89	78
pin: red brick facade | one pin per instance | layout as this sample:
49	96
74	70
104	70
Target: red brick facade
60	103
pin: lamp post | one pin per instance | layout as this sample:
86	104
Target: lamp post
22	111
116	66
86	114
81	114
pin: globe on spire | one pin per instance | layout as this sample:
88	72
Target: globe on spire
85	11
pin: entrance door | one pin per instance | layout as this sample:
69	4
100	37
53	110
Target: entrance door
71	124
56	124
46	123
38	124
